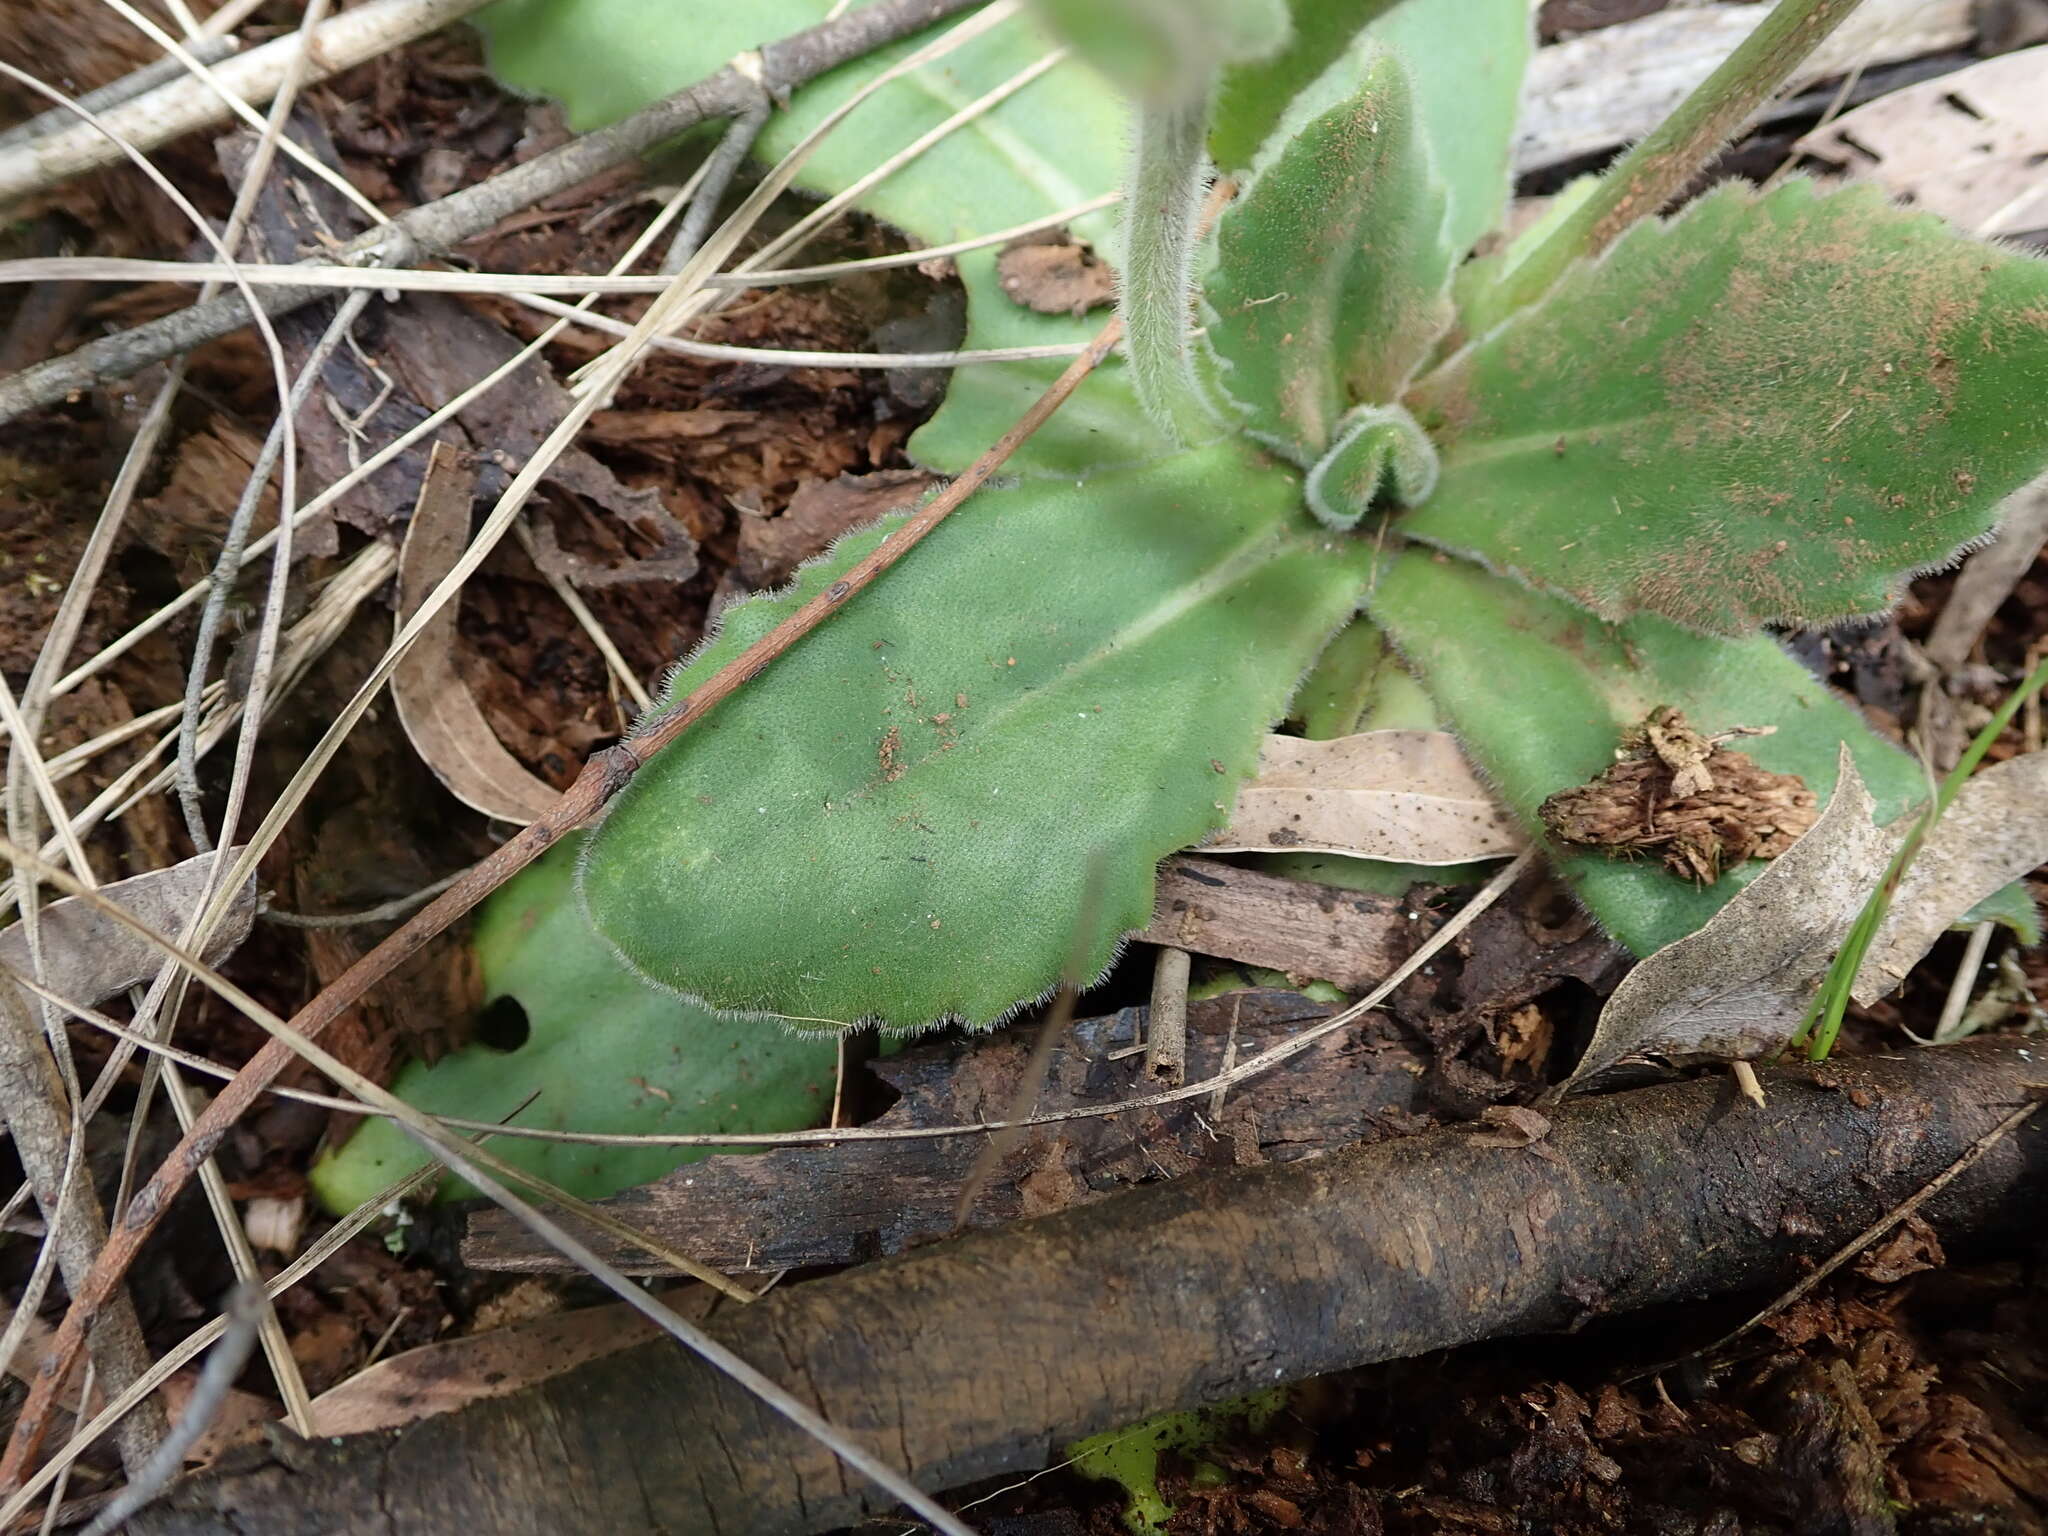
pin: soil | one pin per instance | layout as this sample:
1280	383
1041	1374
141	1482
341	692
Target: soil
1911	1396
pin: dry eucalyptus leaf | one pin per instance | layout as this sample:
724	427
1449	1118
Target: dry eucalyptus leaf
1738	988
1407	796
89	956
439	714
1968	145
1994	831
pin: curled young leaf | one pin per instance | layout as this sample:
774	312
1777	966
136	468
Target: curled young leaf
1378	448
896	822
1775	405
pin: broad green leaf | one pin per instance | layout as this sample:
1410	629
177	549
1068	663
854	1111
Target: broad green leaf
1330	268
1251	97
1168	49
1772	406
1540	693
897	823
605	1051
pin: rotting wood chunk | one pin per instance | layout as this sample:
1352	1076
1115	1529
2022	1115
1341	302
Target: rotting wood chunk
1684	796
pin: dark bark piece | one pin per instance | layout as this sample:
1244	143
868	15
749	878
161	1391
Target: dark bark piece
1310	931
795	1206
983	1354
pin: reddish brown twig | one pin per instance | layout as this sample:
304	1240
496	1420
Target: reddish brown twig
602	777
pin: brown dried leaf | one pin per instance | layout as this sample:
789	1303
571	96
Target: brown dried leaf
1737	989
1966	145
1407	796
1055	274
1699	806
89	956
440	716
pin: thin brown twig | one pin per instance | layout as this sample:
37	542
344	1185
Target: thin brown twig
602	777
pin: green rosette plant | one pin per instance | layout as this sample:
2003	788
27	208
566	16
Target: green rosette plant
1568	482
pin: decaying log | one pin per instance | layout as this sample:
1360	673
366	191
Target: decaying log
984	1354
789	1207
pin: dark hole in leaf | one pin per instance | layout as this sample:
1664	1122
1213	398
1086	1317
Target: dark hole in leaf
502	1024
1962	106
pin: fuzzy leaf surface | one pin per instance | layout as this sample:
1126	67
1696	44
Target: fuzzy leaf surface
1541	692
1769	407
898	823
1466	58
1331	268
605	1051
1250	98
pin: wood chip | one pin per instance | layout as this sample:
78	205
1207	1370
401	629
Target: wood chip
1968	145
1311	931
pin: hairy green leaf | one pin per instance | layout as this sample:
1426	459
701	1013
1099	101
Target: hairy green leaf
896	824
1466	59
1772	406
1541	692
604	1051
1330	274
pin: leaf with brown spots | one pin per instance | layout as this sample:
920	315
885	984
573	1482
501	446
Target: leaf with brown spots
1772	406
